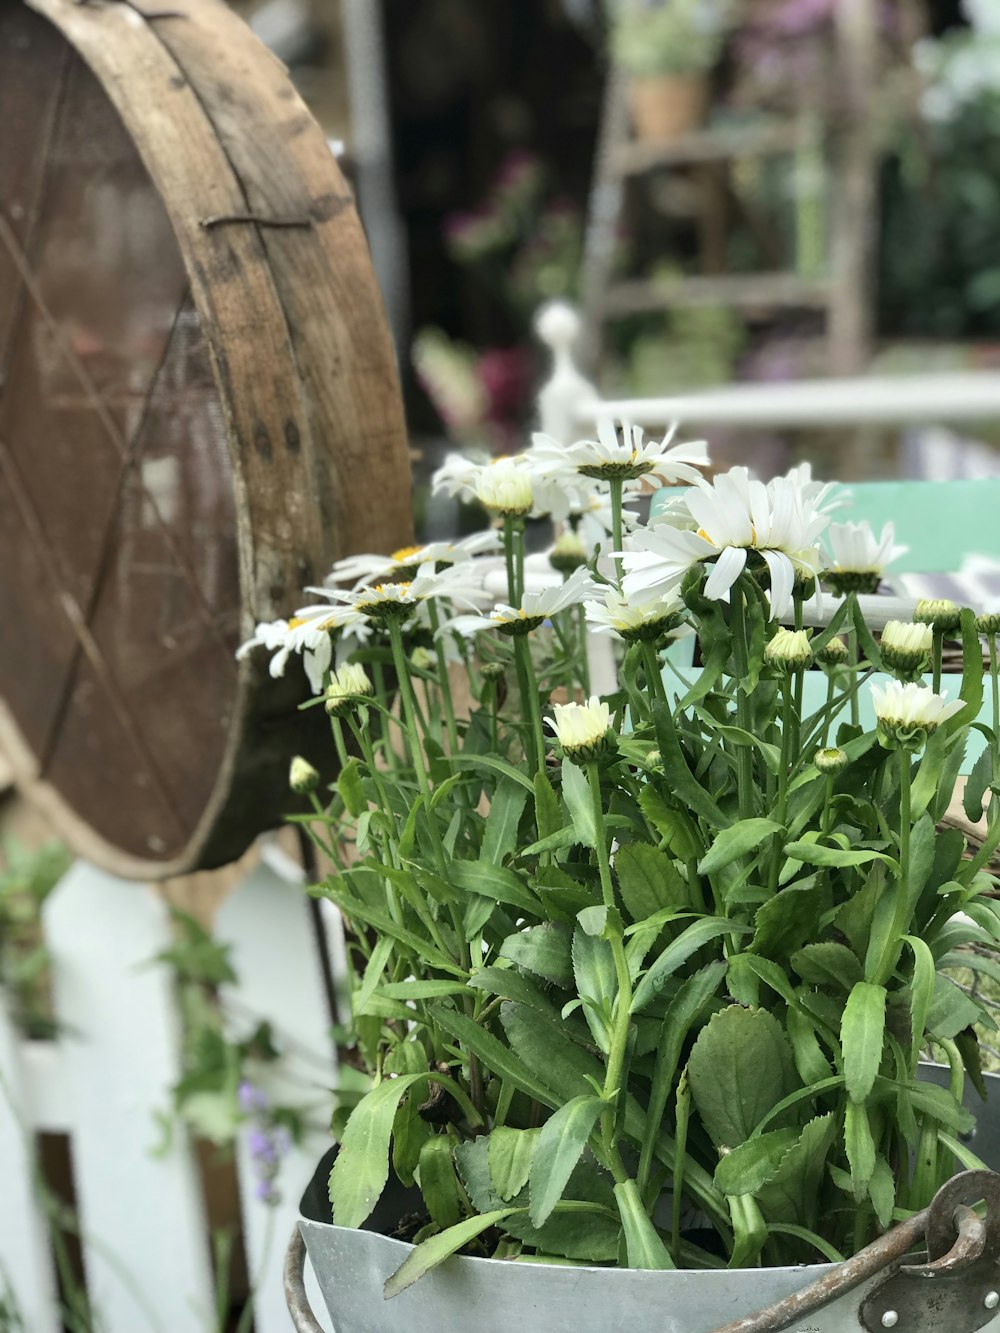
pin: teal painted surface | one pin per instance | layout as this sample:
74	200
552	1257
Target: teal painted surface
940	521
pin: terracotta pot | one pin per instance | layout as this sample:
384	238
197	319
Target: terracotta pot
665	106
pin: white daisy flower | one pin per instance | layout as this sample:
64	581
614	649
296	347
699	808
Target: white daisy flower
535	608
309	634
581	729
908	713
650	621
788	648
505	489
627	457
859	557
733	518
374	568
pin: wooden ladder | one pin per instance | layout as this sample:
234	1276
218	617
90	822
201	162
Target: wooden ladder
838	284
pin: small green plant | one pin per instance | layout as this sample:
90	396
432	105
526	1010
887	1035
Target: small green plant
27	877
651	37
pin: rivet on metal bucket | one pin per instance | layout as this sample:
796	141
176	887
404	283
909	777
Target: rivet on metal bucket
992	1300
890	1319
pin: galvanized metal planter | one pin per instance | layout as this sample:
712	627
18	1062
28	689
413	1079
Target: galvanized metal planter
955	1288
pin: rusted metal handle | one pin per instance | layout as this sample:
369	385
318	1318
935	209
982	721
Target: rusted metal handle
295	1289
955	1235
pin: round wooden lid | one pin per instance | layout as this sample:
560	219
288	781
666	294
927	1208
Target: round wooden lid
199	412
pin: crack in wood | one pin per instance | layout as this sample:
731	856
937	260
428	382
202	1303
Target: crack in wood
225	219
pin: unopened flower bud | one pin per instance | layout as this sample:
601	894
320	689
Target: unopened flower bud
831	760
834	653
944	615
582	729
492	671
505	489
423	659
905	647
344	688
568	553
302	777
988	623
788	649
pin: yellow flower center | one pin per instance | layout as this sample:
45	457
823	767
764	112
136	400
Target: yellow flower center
405	554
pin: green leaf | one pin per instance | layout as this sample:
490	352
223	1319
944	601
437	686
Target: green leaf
921	992
882	1192
496	882
576	794
736	841
976	784
681	780
489	763
951	1010
810	1062
510	1156
827	964
433	1251
547	1050
678	952
545	950
593	920
750	1166
596	984
383	923
373	973
860	1147
673	826
421	990
511	984
361	1170
739	1069
502	822
548	815
410	1131
499	1059
791	916
649	881
862	1035
795	1190
352	793
643	1245
561	1142
438	1181
940	1105
816	855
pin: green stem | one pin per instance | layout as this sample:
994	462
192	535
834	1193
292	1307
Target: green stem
336	726
532	707
617	530
937	652
443	682
654	672
581	617
508	552
901	914
781	808
852	645
518	526
995	689
413	740
741	652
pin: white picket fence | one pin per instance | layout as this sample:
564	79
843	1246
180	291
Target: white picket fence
142	1218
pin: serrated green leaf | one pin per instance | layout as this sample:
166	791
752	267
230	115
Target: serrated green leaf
751	1165
352	792
544	950
421	990
438	1182
511	984
736	841
596	984
499	1059
921	992
677	952
860	1147
976	784
827	964
576	794
510	1154
951	1010
832	857
373	974
783	922
593	920
739	1069
561	1142
882	1192
506	808
673	826
649	881
548	815
361	1170
862	1036
433	1251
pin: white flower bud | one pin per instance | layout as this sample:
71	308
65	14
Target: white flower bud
581	729
302	777
789	648
505	489
344	688
905	647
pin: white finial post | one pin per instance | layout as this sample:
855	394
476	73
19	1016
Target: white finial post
566	391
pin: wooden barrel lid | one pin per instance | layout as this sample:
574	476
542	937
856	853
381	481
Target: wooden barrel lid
199	411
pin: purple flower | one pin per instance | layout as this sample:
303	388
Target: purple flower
251	1098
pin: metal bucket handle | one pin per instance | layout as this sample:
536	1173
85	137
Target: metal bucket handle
959	1244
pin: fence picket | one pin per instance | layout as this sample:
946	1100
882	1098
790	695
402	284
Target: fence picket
267	923
141	1215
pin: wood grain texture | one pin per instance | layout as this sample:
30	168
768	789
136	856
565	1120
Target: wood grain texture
300	352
